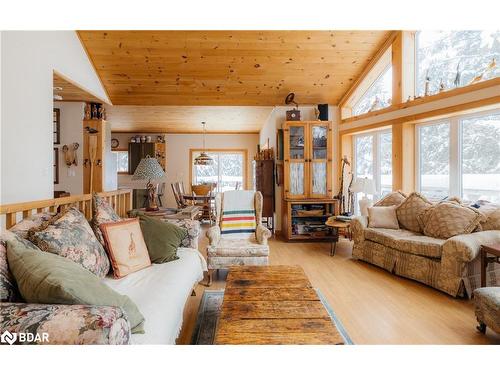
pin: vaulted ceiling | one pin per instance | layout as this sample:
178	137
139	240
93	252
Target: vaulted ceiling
240	68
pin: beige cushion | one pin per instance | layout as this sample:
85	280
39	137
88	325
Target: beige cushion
383	217
446	220
409	210
392	199
126	246
238	247
406	241
492	219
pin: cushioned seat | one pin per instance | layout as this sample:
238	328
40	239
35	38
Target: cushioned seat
231	247
487	302
406	241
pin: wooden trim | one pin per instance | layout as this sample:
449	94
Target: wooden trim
347	96
184	132
244	151
465	108
427	99
93	67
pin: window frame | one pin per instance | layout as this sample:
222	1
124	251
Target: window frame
244	152
455	182
376	157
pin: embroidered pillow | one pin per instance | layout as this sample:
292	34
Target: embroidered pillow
409	210
70	236
102	213
447	219
22	228
126	247
392	199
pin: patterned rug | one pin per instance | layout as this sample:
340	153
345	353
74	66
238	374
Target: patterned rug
208	315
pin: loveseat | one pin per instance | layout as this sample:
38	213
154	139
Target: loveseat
451	265
159	291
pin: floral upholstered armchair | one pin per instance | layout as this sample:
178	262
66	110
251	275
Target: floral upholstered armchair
238	238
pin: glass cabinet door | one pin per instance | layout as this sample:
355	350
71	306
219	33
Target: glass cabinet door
295	160
320	161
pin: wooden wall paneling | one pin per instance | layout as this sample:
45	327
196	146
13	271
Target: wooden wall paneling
99	163
403	157
403	66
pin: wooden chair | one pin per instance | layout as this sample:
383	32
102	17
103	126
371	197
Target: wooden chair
207	205
178	190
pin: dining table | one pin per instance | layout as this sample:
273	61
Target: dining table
206	202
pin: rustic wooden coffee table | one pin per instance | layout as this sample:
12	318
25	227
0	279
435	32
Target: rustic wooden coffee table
273	305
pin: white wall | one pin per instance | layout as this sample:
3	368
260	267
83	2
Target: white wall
28	60
70	178
178	163
268	133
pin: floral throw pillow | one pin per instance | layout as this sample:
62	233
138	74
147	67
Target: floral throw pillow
71	236
22	228
102	213
8	287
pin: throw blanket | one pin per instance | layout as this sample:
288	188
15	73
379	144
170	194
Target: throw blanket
238	213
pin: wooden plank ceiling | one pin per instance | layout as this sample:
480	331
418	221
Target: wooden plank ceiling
71	91
240	68
187	119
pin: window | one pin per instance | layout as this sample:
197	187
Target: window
439	53
460	157
380	90
480	164
373	160
121	161
227	171
434	160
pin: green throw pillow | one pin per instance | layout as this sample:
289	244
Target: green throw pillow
162	238
48	278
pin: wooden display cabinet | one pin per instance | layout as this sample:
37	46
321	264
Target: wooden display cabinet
308	150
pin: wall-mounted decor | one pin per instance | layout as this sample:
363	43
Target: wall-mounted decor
70	156
56	122
115	143
56	165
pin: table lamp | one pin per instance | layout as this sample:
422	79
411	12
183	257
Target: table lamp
366	186
149	169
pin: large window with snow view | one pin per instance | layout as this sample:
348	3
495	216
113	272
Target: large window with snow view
226	172
378	95
460	157
373	160
450	59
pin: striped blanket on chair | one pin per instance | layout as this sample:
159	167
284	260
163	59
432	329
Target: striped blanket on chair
238	213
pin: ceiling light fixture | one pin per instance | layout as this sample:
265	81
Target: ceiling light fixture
203	158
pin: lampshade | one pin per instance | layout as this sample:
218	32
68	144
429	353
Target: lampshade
363	185
203	159
148	169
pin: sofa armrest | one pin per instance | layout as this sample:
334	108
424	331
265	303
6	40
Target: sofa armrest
262	234
65	324
358	226
213	235
193	231
466	247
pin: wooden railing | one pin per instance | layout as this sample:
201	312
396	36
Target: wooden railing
121	200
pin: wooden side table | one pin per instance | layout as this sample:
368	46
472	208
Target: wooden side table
336	226
485	259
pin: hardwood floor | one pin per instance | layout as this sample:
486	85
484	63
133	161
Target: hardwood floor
374	306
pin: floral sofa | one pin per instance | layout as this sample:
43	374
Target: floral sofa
451	265
159	291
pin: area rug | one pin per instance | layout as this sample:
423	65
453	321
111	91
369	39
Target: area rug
208	315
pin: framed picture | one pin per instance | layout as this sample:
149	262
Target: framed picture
279	145
56	122
56	165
